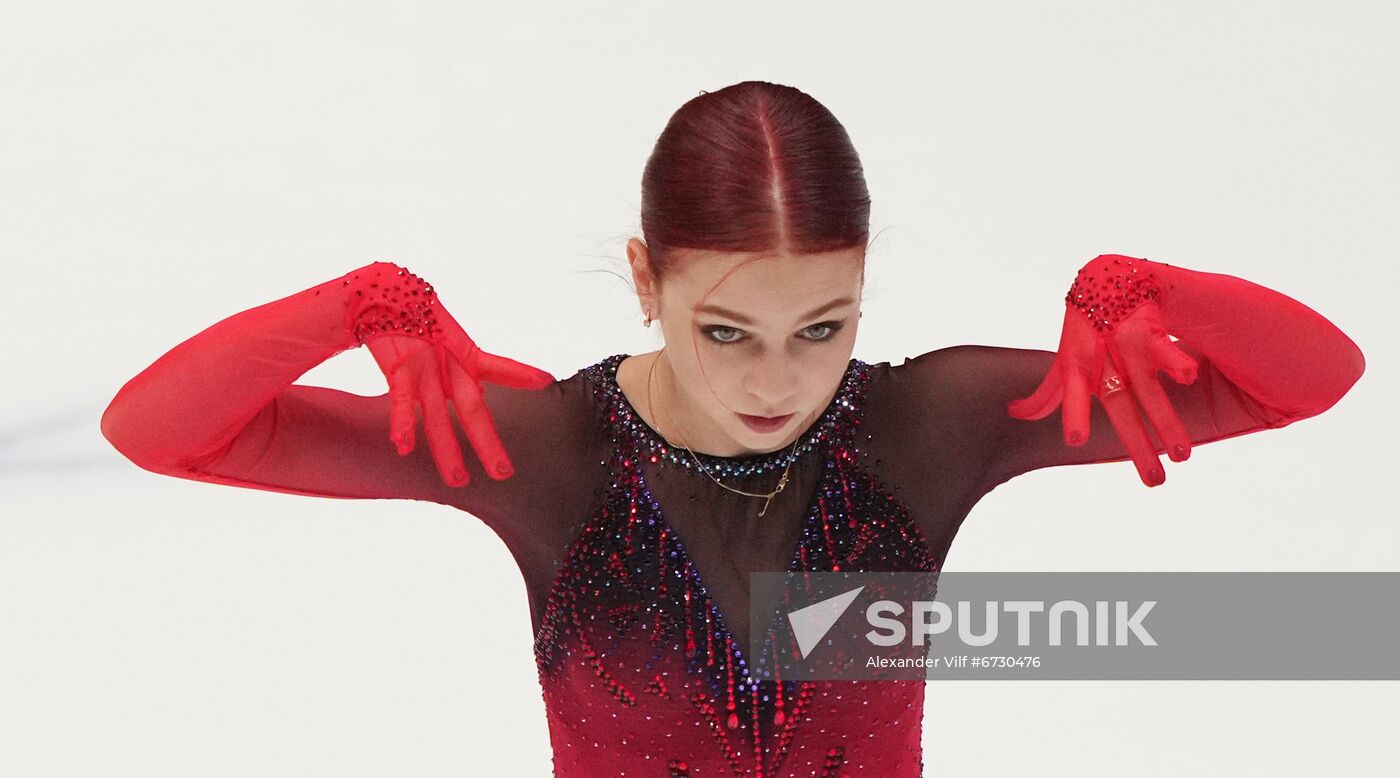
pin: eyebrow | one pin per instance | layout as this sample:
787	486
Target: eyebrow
742	319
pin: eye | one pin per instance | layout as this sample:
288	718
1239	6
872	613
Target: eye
728	335
831	326
710	332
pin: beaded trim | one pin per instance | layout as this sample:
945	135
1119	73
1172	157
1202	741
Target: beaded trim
1110	287
843	406
390	300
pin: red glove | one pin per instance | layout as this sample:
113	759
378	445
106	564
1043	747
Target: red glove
1284	357
427	359
1111	347
187	413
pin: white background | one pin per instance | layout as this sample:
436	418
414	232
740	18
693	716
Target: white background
166	165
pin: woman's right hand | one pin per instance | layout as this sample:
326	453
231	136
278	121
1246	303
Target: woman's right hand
428	373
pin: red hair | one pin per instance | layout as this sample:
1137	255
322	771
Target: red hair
754	167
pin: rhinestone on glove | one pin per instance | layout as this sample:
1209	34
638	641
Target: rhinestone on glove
1110	287
387	299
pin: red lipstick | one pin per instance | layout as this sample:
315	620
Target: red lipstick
765	424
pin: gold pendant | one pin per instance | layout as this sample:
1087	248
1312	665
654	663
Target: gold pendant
781	483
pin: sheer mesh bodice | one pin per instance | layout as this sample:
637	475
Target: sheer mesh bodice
723	537
643	644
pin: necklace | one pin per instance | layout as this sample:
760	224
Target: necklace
782	482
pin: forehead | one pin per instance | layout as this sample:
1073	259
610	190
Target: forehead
760	282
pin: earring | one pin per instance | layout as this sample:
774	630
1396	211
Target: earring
647	321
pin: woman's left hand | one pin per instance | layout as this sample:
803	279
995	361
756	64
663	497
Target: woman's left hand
1120	368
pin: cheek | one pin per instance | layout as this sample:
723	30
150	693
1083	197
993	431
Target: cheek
827	382
712	387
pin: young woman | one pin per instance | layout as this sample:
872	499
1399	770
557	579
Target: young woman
637	494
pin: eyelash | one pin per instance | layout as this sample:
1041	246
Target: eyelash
834	326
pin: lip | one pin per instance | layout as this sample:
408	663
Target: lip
764	423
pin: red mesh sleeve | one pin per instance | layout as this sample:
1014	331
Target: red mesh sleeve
940	426
221	407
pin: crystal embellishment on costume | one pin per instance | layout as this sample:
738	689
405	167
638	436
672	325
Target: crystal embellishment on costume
629	629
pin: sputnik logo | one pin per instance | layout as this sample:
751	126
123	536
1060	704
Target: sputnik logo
810	624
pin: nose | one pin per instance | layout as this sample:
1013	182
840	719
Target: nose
773	382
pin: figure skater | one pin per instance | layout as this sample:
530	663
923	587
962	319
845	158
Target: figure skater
637	494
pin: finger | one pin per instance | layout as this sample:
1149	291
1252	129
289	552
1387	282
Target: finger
1042	401
1171	359
1142	378
443	367
509	372
403	401
475	419
437	426
497	369
465	351
1123	414
1074	415
1113	365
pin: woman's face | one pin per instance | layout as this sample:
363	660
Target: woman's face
757	335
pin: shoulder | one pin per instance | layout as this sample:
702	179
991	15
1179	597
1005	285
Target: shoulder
964	371
919	378
955	395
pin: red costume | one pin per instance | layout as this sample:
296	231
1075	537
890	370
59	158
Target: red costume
636	563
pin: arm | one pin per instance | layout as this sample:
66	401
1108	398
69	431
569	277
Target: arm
1247	359
222	408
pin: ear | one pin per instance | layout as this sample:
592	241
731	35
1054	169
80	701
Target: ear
643	279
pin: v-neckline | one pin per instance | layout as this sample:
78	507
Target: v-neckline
701	582
646	440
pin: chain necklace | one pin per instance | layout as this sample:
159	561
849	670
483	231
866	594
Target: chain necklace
782	482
